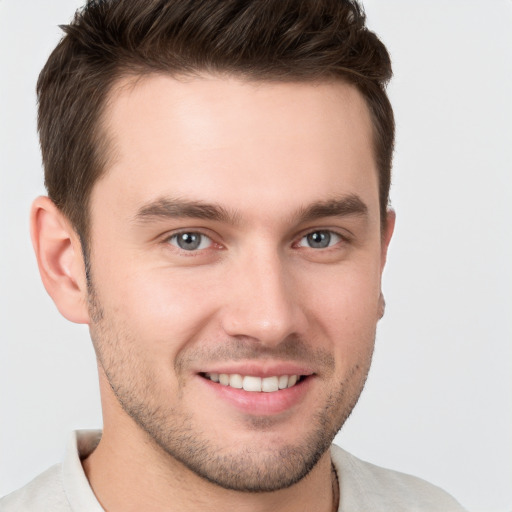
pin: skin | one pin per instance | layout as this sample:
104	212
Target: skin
277	162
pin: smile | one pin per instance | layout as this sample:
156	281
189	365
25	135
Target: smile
254	384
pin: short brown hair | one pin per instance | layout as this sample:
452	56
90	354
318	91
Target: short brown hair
283	40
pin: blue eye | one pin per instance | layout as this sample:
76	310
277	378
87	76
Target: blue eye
190	241
320	239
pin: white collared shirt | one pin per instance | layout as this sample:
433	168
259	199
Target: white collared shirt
363	486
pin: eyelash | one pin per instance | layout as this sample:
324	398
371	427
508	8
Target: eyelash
329	232
195	251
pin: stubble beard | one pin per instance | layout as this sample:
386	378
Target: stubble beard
247	469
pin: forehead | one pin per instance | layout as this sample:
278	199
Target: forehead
226	140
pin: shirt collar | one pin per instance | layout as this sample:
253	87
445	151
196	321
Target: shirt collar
76	486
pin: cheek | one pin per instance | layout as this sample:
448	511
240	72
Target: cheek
346	308
160	309
347	292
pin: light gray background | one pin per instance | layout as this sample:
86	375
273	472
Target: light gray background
438	402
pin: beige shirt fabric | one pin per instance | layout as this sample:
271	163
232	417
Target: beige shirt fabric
363	486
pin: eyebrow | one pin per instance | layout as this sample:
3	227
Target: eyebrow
174	208
350	205
170	208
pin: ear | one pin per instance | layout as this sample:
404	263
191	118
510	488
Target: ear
59	257
386	236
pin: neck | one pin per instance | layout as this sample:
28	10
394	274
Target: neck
128	472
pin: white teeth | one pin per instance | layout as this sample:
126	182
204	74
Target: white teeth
254	384
236	381
269	384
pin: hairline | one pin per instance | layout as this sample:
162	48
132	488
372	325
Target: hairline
130	76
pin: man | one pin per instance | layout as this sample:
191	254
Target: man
218	176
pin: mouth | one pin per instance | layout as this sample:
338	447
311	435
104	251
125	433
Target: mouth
255	390
255	384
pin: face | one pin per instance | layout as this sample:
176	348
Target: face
236	257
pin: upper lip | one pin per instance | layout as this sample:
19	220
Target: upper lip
259	369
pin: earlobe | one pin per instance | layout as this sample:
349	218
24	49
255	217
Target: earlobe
60	260
382	305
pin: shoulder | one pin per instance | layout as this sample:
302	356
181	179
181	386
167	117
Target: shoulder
364	486
45	492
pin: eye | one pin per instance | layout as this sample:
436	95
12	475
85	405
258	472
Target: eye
320	239
190	241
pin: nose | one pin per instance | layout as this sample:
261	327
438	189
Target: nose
261	301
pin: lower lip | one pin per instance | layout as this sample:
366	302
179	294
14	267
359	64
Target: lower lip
261	403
